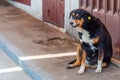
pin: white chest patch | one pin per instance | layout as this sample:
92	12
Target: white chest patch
86	38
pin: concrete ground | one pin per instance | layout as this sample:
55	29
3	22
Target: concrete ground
45	49
9	70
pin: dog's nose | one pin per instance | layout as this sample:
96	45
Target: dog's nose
71	23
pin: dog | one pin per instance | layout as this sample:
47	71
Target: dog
95	47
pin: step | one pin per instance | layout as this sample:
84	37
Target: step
14	53
9	70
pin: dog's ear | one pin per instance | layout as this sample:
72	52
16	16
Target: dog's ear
70	14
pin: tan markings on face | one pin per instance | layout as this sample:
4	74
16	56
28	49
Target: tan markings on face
73	14
77	15
80	22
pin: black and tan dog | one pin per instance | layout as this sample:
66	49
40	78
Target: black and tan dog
95	48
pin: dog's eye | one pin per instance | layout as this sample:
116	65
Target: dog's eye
74	17
78	17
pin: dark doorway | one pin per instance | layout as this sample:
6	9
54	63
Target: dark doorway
53	12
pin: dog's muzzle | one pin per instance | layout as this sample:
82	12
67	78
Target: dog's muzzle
72	24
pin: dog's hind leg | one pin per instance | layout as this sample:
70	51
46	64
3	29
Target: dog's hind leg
104	64
77	61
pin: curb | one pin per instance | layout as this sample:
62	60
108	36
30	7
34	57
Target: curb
13	52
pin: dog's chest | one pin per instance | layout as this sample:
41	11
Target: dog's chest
84	36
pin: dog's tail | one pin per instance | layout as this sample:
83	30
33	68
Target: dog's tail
107	61
73	61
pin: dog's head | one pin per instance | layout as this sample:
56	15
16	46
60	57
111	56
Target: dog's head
79	17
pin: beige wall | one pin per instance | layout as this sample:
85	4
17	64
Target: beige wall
69	6
35	9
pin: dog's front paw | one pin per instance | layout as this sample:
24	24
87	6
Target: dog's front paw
98	70
81	70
